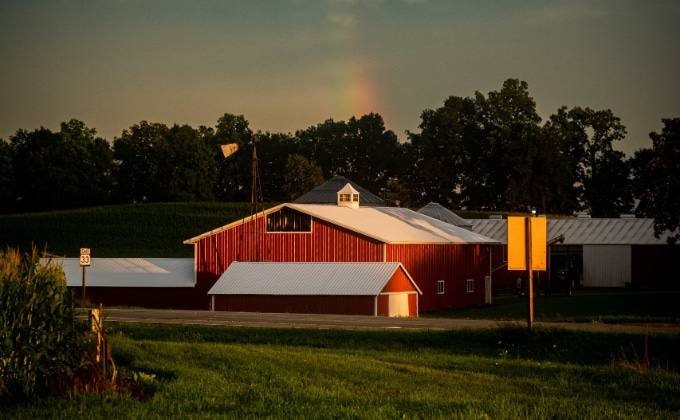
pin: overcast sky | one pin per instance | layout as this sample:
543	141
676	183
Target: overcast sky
291	64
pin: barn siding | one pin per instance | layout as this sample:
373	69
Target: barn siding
452	263
146	297
341	305
606	265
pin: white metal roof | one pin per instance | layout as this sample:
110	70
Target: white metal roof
392	225
583	231
130	272
324	278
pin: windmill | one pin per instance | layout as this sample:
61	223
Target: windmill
255	199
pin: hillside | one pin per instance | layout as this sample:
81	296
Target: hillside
131	230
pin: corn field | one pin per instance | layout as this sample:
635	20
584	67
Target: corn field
39	337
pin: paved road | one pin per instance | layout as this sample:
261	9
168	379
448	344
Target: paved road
253	319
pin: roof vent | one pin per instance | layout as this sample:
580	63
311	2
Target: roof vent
628	216
496	216
583	216
348	197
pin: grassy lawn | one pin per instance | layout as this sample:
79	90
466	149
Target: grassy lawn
223	372
585	305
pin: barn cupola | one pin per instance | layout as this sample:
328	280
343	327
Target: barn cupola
348	197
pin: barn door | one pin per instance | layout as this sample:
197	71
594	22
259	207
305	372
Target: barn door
399	305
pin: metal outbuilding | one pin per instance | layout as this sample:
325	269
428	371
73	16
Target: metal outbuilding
144	282
378	289
606	252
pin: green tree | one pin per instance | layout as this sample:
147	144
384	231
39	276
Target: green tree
7	180
159	164
72	168
301	176
138	158
665	173
233	181
586	137
274	152
642	182
187	168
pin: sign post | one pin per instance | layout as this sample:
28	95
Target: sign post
84	262
527	250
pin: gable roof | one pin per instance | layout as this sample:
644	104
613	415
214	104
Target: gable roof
391	225
327	193
582	231
130	272
337	279
440	212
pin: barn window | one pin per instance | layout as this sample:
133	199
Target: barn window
470	285
289	220
440	287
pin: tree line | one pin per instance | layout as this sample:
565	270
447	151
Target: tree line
488	152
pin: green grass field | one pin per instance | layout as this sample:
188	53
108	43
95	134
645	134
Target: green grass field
585	305
225	372
131	230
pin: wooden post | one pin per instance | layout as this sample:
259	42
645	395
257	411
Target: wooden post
530	285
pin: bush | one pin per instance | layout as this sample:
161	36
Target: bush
40	342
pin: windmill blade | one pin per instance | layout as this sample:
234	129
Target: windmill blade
229	149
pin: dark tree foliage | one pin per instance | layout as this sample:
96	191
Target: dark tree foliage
642	182
158	164
233	179
301	176
69	169
586	137
7	180
665	173
274	152
359	149
137	153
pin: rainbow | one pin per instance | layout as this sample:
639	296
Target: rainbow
354	74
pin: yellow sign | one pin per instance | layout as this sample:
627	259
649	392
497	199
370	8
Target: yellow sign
539	243
517	243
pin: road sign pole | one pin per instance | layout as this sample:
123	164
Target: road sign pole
84	262
84	282
530	285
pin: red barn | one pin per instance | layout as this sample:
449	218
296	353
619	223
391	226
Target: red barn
450	265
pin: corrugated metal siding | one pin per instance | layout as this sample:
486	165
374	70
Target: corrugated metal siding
342	305
606	265
452	263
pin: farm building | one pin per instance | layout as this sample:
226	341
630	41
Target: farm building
377	289
145	282
450	265
595	253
